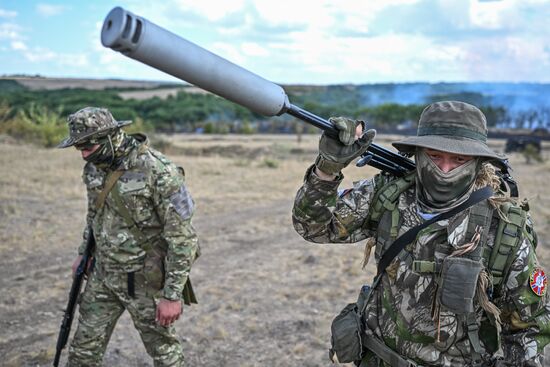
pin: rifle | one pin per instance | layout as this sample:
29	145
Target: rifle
144	41
68	316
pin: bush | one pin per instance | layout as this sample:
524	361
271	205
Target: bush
216	128
247	128
269	163
531	153
37	125
138	126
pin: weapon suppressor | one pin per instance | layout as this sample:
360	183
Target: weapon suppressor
150	44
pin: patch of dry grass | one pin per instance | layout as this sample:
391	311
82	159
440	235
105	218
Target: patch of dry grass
266	296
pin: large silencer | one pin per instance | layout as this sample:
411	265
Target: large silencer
144	41
150	44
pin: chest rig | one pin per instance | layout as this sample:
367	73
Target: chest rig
456	267
153	267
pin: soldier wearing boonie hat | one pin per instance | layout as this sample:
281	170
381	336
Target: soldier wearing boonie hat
88	123
464	291
452	127
139	211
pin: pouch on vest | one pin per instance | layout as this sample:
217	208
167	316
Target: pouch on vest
458	284
347	329
153	270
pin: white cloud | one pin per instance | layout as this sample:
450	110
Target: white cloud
383	58
324	41
493	14
7	13
210	9
44	55
10	31
511	59
40	54
18	45
254	49
229	52
48	10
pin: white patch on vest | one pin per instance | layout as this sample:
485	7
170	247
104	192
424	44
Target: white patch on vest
182	202
456	236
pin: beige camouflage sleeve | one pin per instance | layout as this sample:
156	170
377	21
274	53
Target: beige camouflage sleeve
175	207
525	310
322	215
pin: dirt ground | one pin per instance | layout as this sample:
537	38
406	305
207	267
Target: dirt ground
266	296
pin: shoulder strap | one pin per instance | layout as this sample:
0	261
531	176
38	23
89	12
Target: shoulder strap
507	240
409	236
110	181
385	198
134	229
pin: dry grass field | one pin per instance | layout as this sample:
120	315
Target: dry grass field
266	296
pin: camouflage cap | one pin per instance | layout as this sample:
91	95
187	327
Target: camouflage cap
453	127
89	122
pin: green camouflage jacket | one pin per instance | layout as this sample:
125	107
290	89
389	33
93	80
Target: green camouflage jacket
400	311
153	190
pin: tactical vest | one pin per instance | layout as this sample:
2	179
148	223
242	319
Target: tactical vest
384	218
154	259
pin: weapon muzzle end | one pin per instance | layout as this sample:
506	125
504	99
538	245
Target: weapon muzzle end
121	30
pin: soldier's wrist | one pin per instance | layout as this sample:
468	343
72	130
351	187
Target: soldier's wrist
324	176
314	182
171	295
328	166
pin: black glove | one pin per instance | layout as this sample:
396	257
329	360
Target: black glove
335	154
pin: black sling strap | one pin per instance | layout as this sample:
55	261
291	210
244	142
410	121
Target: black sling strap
409	236
131	285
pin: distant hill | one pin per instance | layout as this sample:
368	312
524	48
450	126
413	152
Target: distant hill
515	105
44	83
514	97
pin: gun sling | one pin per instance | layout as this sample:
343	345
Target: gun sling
387	354
375	345
409	236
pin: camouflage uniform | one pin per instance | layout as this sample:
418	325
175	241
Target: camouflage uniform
154	193
401	310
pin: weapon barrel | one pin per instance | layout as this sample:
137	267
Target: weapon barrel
144	41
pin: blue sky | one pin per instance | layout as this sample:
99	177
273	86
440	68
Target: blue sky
291	42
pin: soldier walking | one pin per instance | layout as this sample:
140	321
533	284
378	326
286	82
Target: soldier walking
458	282
139	211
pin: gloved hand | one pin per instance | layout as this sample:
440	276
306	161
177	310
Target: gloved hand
335	154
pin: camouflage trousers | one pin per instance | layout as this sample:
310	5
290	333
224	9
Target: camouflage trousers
103	302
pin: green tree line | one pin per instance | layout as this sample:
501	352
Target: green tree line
40	115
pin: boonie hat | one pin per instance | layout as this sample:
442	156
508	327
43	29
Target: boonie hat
453	127
89	122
